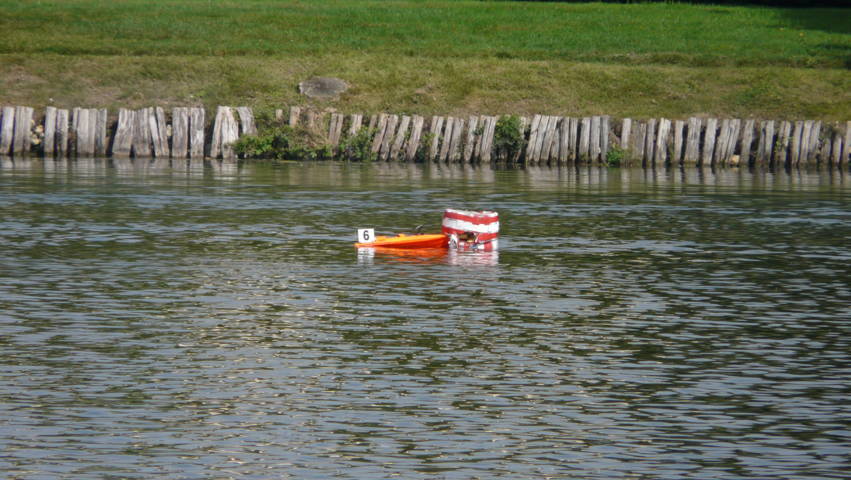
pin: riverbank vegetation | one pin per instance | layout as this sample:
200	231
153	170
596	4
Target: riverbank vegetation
449	57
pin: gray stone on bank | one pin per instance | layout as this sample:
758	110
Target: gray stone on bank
322	87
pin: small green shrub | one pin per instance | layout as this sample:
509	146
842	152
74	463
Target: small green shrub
283	142
359	146
615	156
425	144
508	138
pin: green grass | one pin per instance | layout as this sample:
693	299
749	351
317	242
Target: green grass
427	56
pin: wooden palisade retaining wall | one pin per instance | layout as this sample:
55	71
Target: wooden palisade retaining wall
184	133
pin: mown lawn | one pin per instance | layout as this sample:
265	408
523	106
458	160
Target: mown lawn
429	57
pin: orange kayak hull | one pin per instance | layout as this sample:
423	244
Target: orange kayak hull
437	240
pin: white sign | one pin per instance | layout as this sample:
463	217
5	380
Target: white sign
366	235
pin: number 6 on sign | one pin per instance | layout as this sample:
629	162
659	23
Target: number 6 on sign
366	235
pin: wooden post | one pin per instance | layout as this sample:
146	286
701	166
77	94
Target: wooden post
533	138
733	138
550	150
846	144
470	144
356	122
595	139
836	151
436	127
781	152
795	151
814	142
49	142
23	130
768	148
216	140
679	128
805	142
584	139
760	145
246	121
101	139
447	139
82	133
626	131
141	145
162	128
311	120
650	143
640	140
661	151
564	141
335	130
574	139
487	143
400	137
7	130
196	133
709	141
230	134
375	149
92	127
414	141
457	140
719	157
295	114
543	128
389	135
61	139
747	142
179	132
604	138
693	141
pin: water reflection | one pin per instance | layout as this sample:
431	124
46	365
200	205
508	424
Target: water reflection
207	320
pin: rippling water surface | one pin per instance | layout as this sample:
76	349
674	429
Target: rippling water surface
216	322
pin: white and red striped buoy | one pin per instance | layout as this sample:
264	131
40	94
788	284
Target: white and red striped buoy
472	230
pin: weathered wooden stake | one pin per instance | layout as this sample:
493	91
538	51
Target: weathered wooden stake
693	141
719	156
414	141
230	134
401	133
246	121
61	139
49	141
650	143
747	142
595	139
196	133
23	130
584	140
814	142
436	127
389	135
7	130
639	145
179	132
709	141
446	140
295	114
470	143
487	145
781	152
661	148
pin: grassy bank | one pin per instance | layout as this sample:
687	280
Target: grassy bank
451	57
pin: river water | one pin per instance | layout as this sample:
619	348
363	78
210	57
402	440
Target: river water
216	322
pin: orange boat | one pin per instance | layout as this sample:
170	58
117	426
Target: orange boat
436	240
